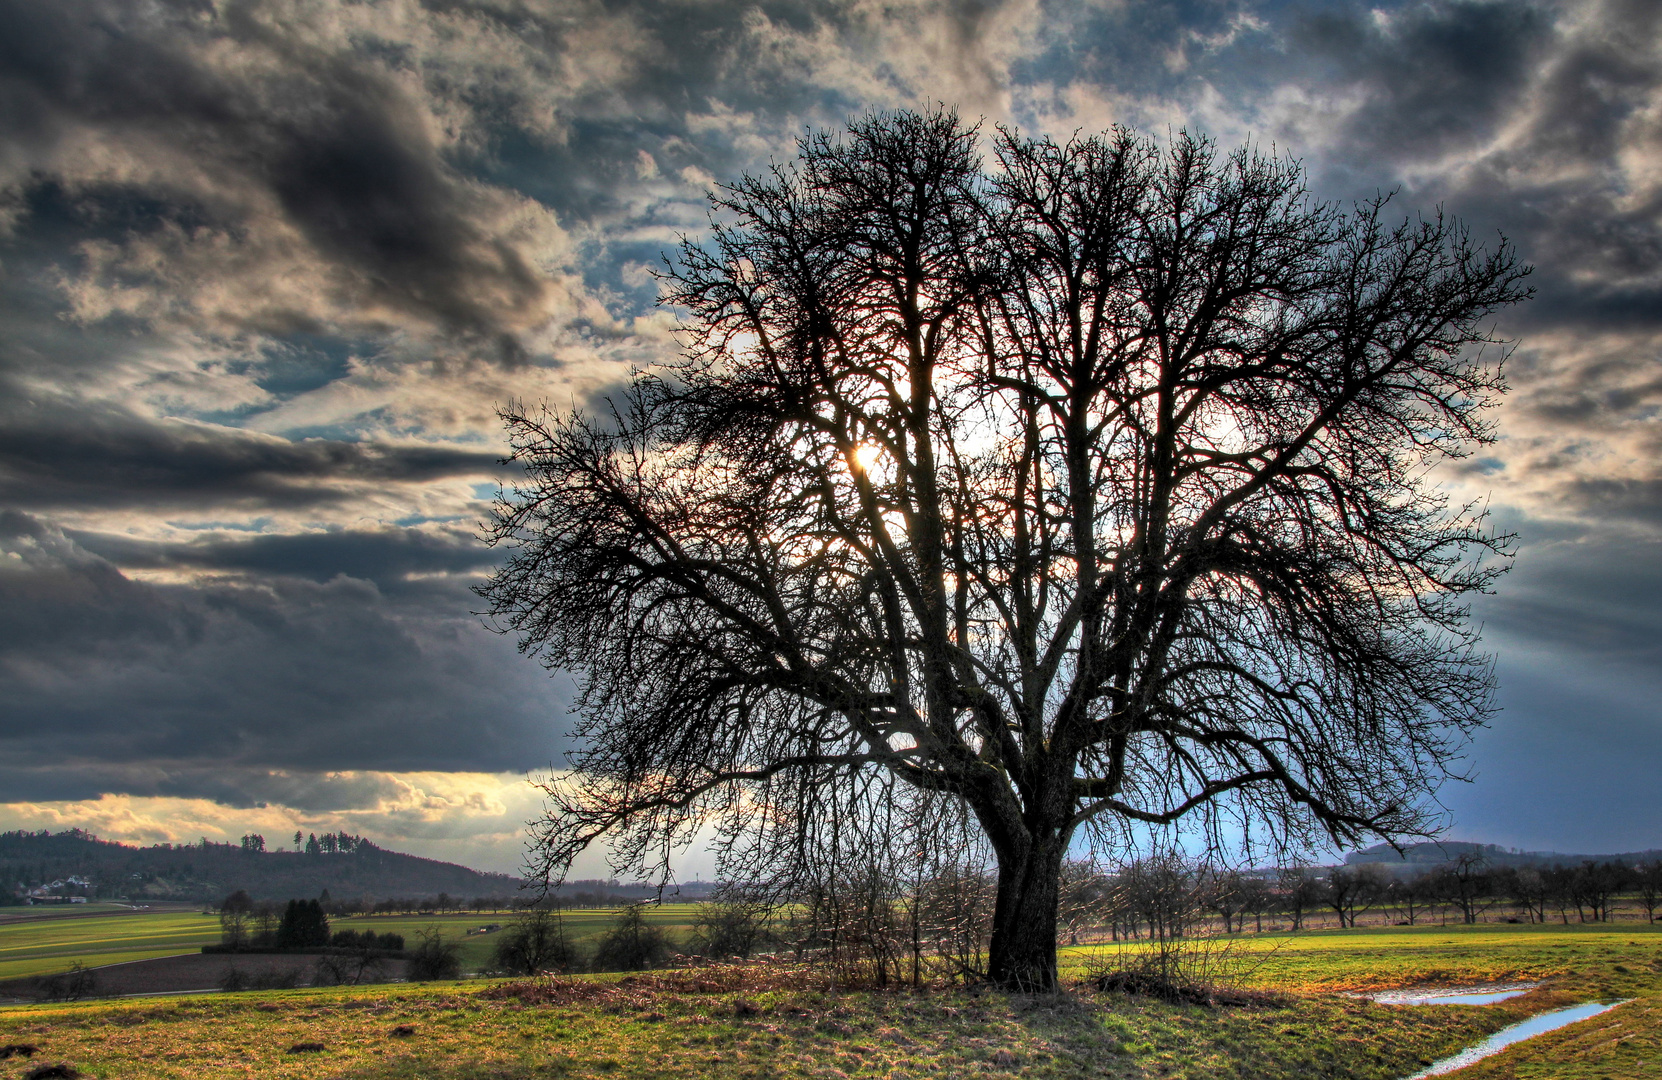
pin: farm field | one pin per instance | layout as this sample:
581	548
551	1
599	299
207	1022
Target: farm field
49	945
584	927
1599	958
773	1022
32	913
45	946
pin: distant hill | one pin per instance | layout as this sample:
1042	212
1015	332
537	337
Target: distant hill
348	867
1417	857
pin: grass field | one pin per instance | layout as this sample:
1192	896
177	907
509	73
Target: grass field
1599	959
44	946
638	1030
35	912
51	945
584	927
658	1026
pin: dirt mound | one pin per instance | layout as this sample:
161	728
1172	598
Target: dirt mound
59	1071
1149	984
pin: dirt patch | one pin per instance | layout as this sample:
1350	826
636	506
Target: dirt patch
1147	984
12	1050
59	1071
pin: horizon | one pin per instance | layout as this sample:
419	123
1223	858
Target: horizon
267	275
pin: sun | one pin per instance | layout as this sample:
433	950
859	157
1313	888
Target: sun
867	455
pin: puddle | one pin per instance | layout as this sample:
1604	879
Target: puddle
1500	1040
1452	995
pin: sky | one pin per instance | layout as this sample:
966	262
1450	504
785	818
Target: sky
267	270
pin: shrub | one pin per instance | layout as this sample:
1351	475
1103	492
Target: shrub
731	926
632	944
535	943
367	939
433	957
73	985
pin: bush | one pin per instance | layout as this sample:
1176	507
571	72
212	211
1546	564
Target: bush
348	969
73	985
433	957
632	944
367	939
283	979
535	943
730	926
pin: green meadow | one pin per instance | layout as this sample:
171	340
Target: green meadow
47	945
584	927
770	1021
1611	959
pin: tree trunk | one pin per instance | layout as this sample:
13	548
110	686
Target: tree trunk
1023	953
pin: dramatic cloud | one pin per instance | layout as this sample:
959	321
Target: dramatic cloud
273	669
474	818
267	270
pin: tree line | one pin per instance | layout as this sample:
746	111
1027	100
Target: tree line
872	925
250	926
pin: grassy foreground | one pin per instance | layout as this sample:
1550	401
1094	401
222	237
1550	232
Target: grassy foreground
776	1022
654	1027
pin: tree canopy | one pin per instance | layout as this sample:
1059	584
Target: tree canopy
1082	486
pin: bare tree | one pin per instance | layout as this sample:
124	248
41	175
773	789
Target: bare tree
1411	895
1087	488
1256	897
235	913
1298	890
1526	888
1352	890
535	943
1226	895
1648	877
1466	883
1083	897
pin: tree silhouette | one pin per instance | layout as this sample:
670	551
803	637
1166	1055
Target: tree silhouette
1088	488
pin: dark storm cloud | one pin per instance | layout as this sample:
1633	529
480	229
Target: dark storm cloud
338	145
87	457
1436	77
386	557
101	671
228	785
1523	113
212	212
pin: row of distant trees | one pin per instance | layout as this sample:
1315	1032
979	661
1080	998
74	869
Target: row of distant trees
885	919
336	843
1144	896
297	924
879	925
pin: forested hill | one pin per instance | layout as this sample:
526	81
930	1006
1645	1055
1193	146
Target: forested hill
347	866
1439	852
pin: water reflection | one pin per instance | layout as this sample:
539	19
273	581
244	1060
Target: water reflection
1453	995
1500	1040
